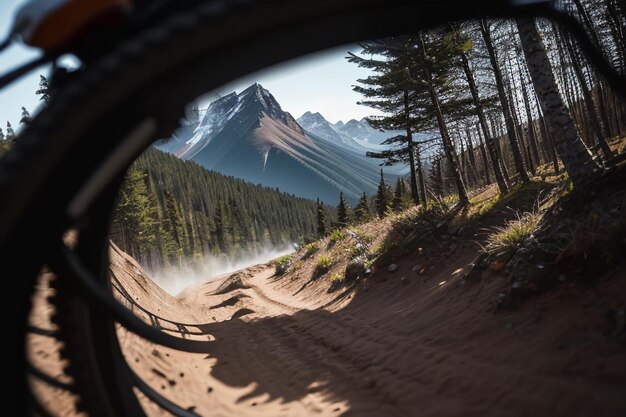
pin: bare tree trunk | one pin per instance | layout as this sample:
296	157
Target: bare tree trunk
480	112
572	151
409	136
498	145
517	120
443	129
597	123
420	175
485	159
532	135
470	154
510	127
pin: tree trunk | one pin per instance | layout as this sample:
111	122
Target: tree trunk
532	135
510	126
483	155
593	114
572	151
480	112
409	136
420	175
472	158
443	129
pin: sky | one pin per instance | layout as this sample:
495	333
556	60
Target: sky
320	82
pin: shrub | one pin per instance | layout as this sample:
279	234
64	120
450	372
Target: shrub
322	266
337	235
337	277
310	249
282	264
311	246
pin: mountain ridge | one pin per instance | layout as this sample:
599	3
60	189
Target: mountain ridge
249	136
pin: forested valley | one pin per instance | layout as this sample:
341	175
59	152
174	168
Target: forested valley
171	211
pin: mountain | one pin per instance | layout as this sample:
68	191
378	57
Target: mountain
316	124
249	136
365	132
357	134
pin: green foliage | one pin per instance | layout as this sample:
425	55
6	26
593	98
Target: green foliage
343	212
337	235
321	219
323	264
282	264
401	198
171	210
337	277
362	210
283	259
382	198
312	246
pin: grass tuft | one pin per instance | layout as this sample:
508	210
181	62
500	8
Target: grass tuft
337	235
515	233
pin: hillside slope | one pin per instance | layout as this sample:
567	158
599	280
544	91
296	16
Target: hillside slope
249	136
414	333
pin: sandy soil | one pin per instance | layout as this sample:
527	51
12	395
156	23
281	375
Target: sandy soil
405	344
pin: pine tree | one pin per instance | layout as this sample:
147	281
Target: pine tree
134	216
25	116
44	90
390	91
10	132
362	209
1	135
220	222
399	197
343	212
382	197
321	220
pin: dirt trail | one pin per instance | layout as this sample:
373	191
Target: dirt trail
425	345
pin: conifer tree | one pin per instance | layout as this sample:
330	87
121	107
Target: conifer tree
134	221
399	197
343	212
1	134
10	132
362	209
390	91
44	90
172	218
419	72
25	116
382	197
321	220
220	223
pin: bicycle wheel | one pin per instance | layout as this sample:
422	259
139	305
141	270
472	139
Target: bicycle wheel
64	169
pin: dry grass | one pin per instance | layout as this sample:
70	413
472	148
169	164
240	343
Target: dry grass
513	235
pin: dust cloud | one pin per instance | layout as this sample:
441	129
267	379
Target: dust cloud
174	280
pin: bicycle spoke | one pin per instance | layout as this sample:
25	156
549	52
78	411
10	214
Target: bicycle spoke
42	376
70	267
